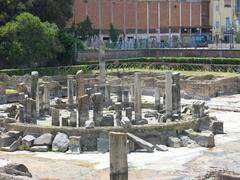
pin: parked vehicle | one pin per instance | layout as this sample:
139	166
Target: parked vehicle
199	40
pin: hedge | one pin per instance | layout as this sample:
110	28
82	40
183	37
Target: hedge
47	71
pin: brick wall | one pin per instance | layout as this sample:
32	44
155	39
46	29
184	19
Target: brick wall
118	9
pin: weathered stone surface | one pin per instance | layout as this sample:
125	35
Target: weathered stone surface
118	109
16	145
97	99
137	97
198	108
27	142
89	124
140	122
204	139
142	143
60	142
217	127
174	142
128	111
118	156
39	148
16	170
8	138
107	120
187	142
70	91
80	83
65	119
44	140
83	110
130	146
73	118
55	117
102	145
160	147
3	99
125	122
74	145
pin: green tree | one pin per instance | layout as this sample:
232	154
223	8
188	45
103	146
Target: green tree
28	41
53	11
85	29
71	44
113	33
11	8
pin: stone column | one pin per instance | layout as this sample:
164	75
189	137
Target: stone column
157	98
83	110
137	97
168	94
21	114
46	98
198	108
80	84
30	111
118	109
35	89
70	92
128	111
126	98
73	118
176	94
118	156
55	117
119	94
97	100
107	93
132	93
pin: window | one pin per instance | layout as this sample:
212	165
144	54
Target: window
227	3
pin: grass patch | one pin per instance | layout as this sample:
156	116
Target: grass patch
228	74
10	91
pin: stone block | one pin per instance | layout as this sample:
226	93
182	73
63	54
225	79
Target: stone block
102	145
174	142
74	145
60	142
217	127
8	138
27	142
107	120
204	139
142	143
39	148
160	147
44	140
125	122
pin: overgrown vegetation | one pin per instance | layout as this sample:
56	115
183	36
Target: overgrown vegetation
27	40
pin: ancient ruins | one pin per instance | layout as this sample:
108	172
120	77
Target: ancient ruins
80	113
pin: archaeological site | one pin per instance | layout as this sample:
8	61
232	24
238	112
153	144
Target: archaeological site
116	125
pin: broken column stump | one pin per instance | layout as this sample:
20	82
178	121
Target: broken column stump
118	156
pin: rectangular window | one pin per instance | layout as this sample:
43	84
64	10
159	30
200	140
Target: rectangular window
227	3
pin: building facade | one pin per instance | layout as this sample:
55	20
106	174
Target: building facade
224	19
144	19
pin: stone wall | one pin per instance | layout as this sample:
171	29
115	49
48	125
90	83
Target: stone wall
156	134
120	54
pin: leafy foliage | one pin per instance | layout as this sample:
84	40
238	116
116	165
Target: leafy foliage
113	33
85	29
53	11
28	41
11	8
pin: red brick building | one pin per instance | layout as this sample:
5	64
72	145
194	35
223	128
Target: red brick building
145	17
